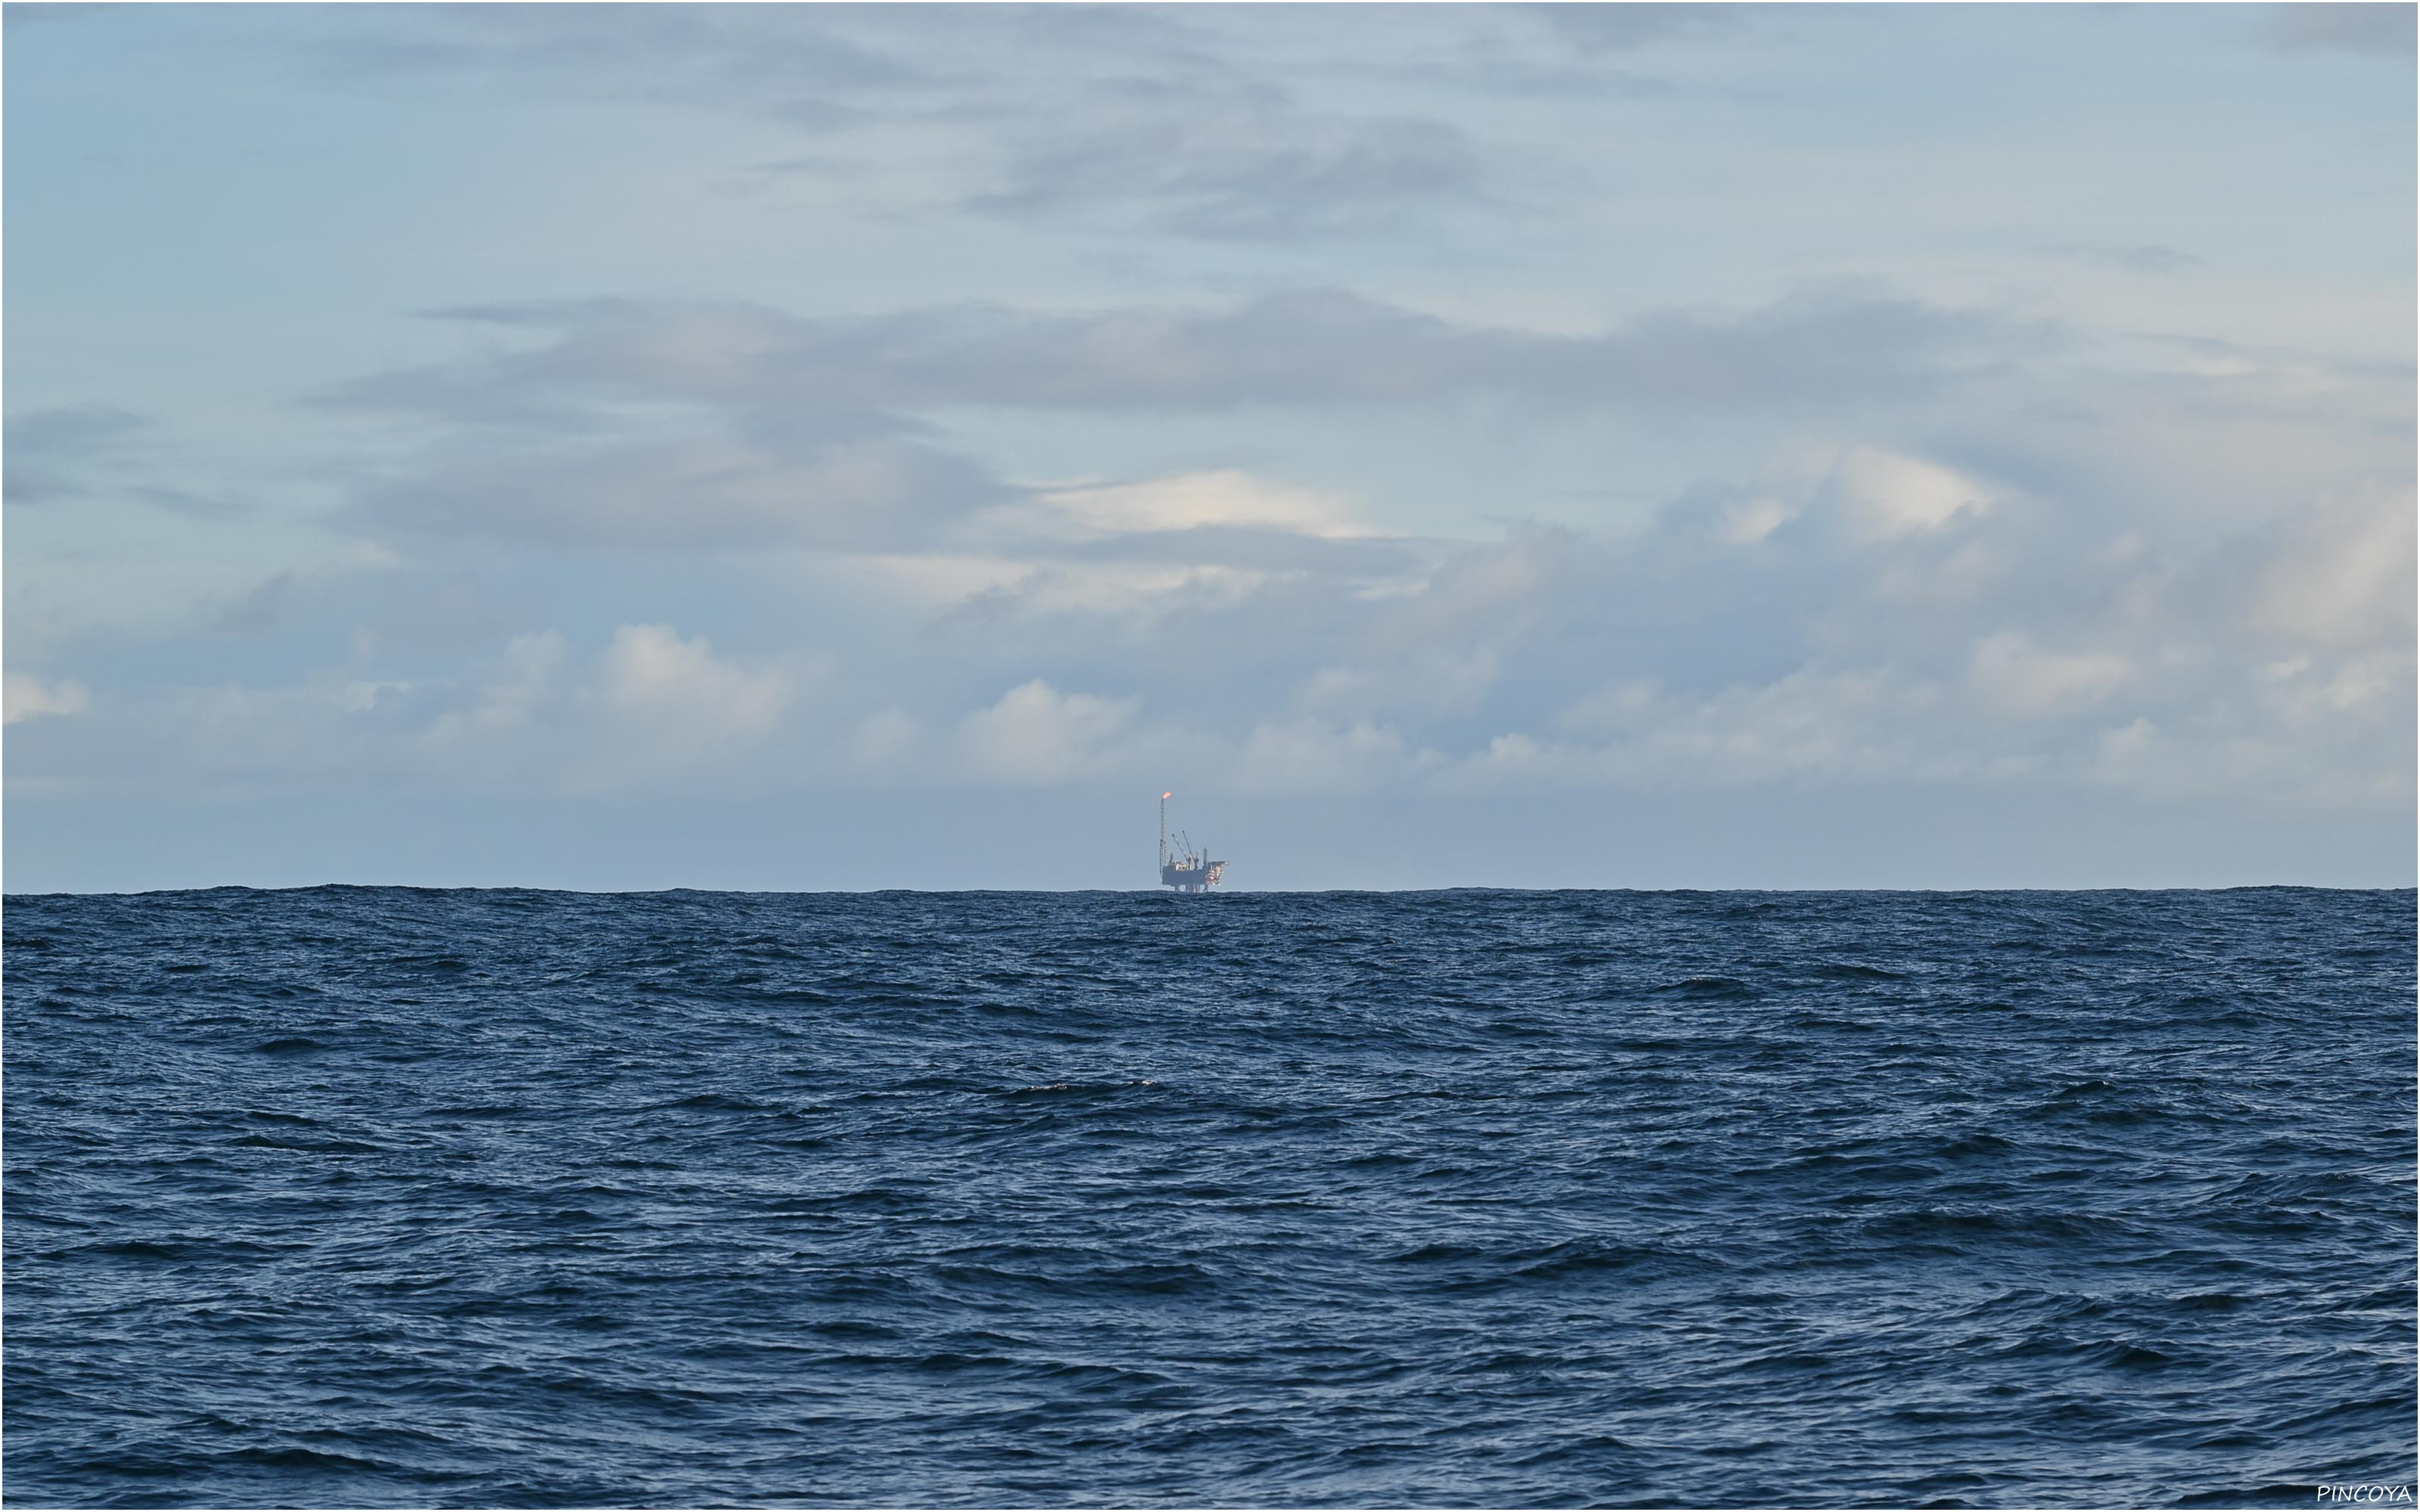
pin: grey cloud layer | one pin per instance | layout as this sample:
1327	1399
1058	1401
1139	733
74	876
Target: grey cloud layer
2386	31
2022	605
1152	121
1326	348
644	422
1868	616
1303	347
1240	173
51	452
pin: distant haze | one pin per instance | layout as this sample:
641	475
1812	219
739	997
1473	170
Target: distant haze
768	447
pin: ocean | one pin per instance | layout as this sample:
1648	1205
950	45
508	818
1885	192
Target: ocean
369	1197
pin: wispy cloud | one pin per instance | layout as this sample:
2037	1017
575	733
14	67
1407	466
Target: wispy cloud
1619	28
2384	30
1124	117
28	697
659	423
1313	347
2148	257
50	452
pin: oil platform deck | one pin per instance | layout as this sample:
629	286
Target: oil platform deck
1180	866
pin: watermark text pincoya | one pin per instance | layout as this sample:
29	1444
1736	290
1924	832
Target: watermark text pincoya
2365	1494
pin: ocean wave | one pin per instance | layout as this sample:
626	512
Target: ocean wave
387	1196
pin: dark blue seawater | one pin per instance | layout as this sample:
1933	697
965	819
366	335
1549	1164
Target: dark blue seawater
369	1196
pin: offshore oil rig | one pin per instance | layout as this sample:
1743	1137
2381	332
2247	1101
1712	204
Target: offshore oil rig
1183	868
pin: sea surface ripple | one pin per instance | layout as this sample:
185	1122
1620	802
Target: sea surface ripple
387	1196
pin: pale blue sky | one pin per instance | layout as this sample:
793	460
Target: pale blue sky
795	447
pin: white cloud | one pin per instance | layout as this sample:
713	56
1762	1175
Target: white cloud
1188	500
1881	495
2016	678
1903	621
1619	706
653	673
2342	576
1038	735
1812	721
653	705
524	678
1305	756
1809	723
2368	680
1752	520
1424	681
31	698
885	744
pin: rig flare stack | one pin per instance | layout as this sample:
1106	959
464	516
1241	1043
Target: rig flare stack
1180	866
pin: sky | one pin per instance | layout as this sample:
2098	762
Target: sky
783	447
